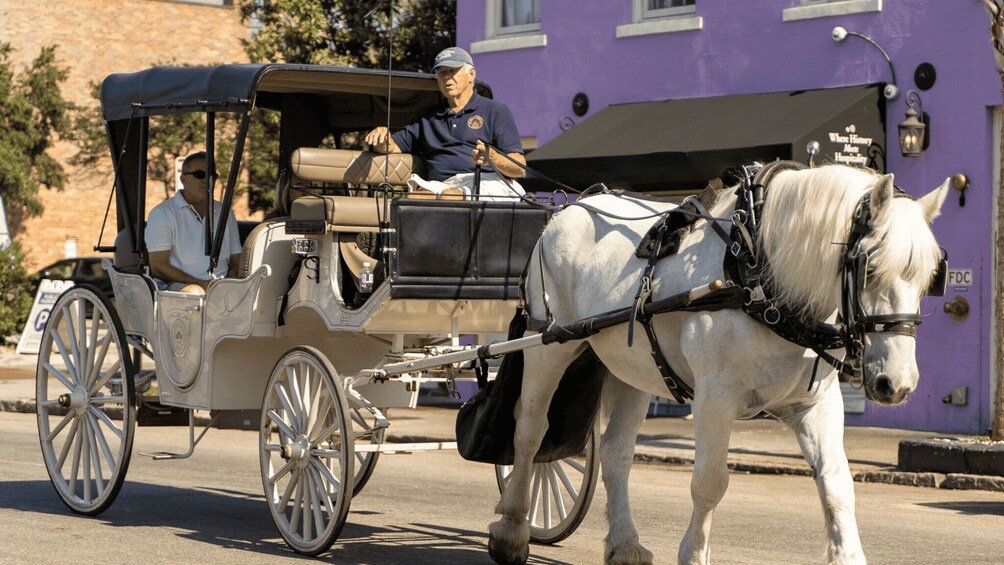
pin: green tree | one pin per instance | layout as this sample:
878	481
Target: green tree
16	295
336	32
32	115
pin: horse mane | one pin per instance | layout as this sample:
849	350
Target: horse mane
807	216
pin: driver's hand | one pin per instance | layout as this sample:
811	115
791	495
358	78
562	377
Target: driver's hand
378	137
479	152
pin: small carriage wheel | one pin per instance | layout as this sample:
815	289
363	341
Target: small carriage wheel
365	432
561	492
85	400
306	449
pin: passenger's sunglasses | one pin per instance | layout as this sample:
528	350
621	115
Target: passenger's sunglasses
197	174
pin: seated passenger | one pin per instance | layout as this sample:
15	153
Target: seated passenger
452	139
175	235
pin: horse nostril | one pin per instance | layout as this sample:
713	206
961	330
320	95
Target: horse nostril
883	386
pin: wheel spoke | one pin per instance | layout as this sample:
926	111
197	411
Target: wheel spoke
75	345
70	367
59	427
317	420
294	479
327	474
535	499
545	493
294	385
284	400
283	427
559	503
281	472
111	372
315	501
322	493
571	462
75	464
85	437
100	435
90	341
95	459
326	433
59	375
294	520
71	438
569	487
108	422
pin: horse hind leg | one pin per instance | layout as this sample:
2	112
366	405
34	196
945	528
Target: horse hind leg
509	537
624	407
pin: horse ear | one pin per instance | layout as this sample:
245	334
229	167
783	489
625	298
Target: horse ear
882	193
931	202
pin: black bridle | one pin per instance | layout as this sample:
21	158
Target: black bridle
747	269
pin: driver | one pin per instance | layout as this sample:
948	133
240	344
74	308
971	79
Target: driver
175	234
452	139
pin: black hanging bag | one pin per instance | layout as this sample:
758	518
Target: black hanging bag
486	425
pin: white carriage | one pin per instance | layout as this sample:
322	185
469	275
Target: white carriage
292	340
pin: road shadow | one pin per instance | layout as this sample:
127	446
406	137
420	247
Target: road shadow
241	521
978	508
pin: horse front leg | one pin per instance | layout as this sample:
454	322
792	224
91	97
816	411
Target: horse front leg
624	408
820	432
714	415
509	537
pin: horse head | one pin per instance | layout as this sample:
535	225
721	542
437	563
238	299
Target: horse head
901	257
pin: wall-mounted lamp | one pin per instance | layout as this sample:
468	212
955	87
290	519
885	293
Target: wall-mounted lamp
839	34
914	131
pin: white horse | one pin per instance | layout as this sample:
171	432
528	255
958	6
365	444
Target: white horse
735	364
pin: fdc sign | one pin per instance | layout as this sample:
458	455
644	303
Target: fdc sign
960	279
47	295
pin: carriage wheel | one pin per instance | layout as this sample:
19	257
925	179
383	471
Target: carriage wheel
560	493
306	450
85	400
365	432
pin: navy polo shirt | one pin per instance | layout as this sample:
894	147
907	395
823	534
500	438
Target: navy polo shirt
445	138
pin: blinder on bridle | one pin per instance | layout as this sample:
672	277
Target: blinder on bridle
855	279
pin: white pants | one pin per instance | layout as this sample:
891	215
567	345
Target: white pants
493	186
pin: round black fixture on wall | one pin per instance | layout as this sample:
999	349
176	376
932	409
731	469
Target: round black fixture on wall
580	104
925	76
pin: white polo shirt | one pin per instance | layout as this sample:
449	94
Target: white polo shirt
175	226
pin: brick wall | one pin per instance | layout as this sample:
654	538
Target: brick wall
93	39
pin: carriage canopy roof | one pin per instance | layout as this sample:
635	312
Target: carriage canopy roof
168	90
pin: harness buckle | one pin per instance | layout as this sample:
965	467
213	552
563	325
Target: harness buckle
735	249
771	319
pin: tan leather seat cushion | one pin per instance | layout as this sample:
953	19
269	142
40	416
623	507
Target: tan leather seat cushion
316	165
342	213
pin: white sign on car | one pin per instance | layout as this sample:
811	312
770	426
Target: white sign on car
47	295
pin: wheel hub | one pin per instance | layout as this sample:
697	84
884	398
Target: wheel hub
77	400
297	451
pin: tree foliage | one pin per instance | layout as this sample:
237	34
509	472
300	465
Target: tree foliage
32	115
336	32
16	295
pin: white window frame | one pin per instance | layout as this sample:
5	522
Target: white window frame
812	9
506	38
643	13
663	20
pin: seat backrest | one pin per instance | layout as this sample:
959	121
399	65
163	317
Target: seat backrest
314	165
126	260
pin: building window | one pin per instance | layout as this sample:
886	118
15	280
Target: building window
811	9
653	9
510	24
661	16
517	16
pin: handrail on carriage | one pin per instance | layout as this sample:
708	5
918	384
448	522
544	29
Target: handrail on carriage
579	329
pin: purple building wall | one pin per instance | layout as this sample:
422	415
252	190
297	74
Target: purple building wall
746	47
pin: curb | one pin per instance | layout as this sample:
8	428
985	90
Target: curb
951	481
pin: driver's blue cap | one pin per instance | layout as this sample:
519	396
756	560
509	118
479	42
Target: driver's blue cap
453	57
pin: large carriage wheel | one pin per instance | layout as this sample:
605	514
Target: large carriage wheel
365	432
85	400
560	492
306	450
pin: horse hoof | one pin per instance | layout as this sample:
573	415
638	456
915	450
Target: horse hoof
502	556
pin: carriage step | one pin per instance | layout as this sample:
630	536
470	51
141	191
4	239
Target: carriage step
406	447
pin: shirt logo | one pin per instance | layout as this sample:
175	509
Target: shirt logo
475	122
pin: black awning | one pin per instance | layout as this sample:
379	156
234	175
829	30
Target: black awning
681	144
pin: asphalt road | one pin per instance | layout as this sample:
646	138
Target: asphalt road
434	508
